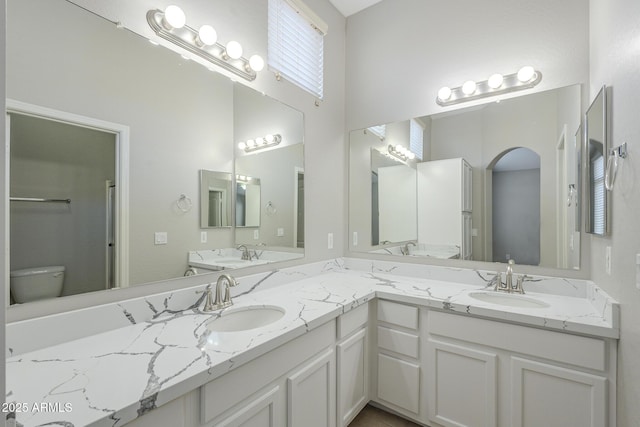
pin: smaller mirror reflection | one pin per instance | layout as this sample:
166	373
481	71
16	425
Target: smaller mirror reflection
247	201
215	199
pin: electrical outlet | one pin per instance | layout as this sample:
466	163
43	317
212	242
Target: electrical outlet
355	238
203	237
280	232
330	241
507	257
607	260
256	234
160	238
474	232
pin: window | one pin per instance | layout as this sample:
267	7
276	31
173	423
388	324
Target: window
295	44
416	138
597	169
379	131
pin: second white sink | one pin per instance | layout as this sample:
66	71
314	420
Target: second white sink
509	300
246	318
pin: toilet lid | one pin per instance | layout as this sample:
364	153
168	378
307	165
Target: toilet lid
36	270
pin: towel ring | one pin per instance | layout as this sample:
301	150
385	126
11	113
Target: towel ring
270	208
184	203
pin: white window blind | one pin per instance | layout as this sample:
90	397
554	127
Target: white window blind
416	138
296	44
380	131
597	168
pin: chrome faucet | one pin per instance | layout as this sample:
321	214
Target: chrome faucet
222	298
246	255
405	249
223	291
507	285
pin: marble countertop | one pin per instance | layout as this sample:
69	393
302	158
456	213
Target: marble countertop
111	378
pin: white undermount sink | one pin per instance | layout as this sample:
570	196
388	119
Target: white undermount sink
246	318
509	300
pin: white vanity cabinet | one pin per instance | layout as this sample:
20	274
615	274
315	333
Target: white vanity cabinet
352	355
398	372
487	373
294	384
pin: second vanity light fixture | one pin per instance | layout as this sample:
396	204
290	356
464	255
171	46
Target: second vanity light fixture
170	24
260	143
526	78
400	152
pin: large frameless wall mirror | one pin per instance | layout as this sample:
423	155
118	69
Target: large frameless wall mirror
174	131
596	147
496	182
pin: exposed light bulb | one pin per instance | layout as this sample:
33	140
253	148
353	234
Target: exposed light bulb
251	143
234	49
444	93
410	155
174	17
469	87
495	81
242	145
259	140
526	73
269	138
207	36
256	63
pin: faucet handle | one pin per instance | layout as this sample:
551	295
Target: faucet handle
208	302
519	281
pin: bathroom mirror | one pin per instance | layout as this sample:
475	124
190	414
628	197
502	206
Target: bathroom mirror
215	199
247	201
110	76
487	137
595	149
393	199
273	205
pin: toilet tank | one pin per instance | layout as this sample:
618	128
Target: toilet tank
31	284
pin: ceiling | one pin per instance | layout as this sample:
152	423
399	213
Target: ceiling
350	7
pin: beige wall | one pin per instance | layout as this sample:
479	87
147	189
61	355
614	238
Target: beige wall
614	62
401	52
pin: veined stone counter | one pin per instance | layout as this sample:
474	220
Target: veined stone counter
165	351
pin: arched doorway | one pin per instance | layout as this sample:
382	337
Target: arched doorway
515	206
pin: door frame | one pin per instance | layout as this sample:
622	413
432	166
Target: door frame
121	133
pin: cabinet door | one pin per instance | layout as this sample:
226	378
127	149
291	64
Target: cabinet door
547	395
399	383
466	251
311	393
461	387
262	411
353	378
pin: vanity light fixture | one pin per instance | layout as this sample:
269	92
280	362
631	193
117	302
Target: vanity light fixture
526	78
260	143
401	153
171	25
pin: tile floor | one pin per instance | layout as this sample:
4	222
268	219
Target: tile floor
374	417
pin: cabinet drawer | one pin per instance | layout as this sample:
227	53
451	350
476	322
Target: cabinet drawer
397	341
398	314
352	320
399	383
557	346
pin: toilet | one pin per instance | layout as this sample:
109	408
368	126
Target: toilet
31	284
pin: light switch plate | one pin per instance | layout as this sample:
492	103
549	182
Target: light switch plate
607	260
280	232
355	238
160	238
330	241
256	234
203	237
